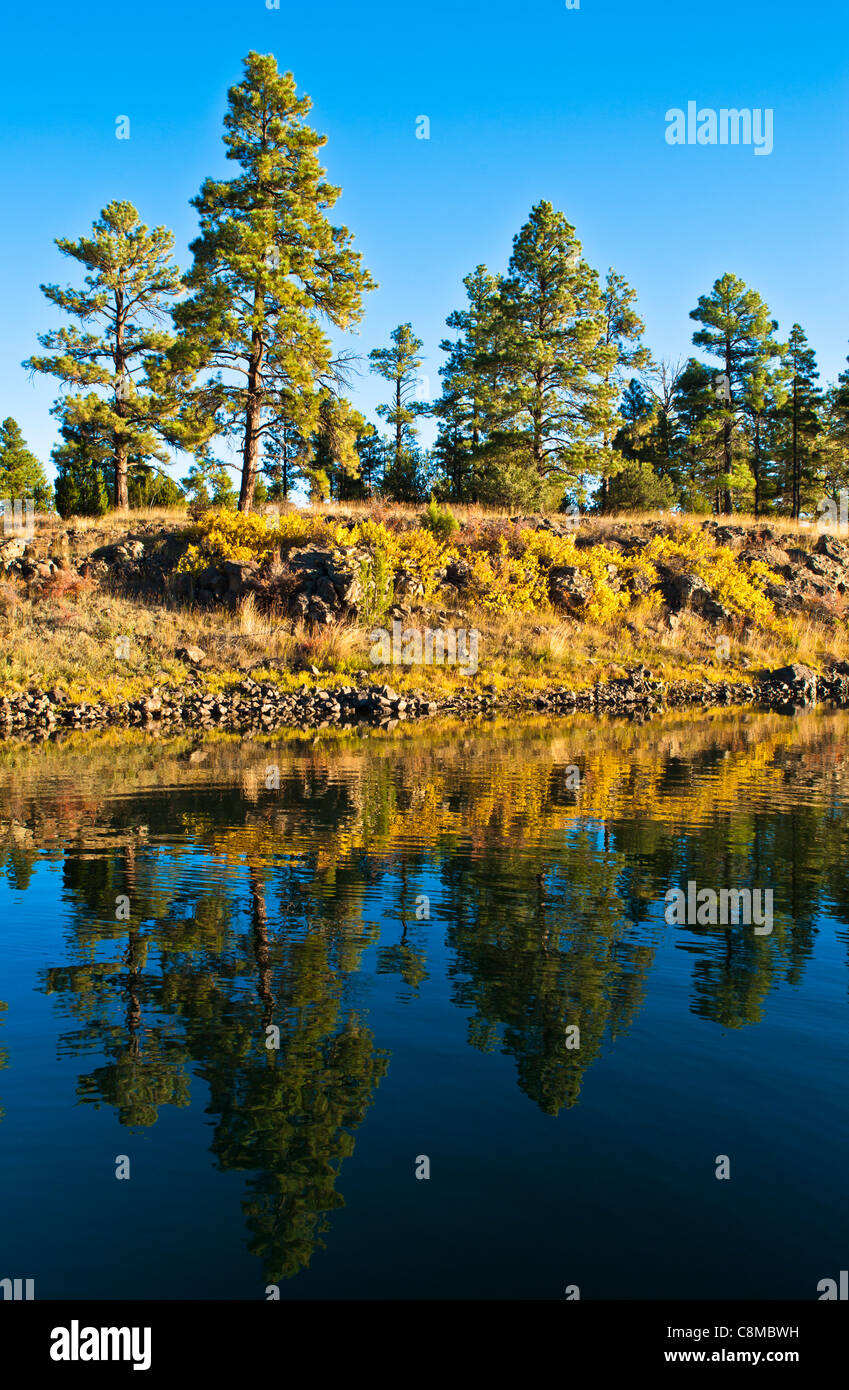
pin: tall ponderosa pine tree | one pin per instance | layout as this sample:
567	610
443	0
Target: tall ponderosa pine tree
464	409
738	330
834	439
623	331
550	401
269	269
126	292
799	422
21	475
399	365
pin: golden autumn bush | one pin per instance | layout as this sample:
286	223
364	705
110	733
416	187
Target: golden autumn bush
737	584
509	570
501	582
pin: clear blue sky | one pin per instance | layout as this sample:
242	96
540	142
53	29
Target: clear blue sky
525	102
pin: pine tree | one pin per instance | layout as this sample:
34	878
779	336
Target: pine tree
764	395
834	437
841	395
623	331
130	279
409	478
335	441
209	483
269	271
372	450
464	409
80	461
551	403
21	475
284	454
399	365
799	421
702	477
737	329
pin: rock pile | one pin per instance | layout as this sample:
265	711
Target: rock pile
252	705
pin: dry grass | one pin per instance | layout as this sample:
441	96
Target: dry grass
66	634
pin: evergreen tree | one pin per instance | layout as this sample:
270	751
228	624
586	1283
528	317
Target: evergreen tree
703	480
21	475
150	486
841	396
269	271
799	422
666	438
550	399
335	441
737	329
623	331
408	478
639	437
637	487
399	365
763	397
372	450
464	409
834	438
833	445
130	279
80	460
284	454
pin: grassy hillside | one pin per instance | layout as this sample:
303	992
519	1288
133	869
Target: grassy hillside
101	609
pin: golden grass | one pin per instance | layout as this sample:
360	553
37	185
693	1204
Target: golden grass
67	635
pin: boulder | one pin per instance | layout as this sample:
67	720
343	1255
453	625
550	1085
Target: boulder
240	578
568	586
832	549
683	590
800	682
193	655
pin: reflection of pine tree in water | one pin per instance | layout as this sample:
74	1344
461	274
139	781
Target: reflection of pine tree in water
287	1117
540	953
147	1066
736	969
546	896
406	957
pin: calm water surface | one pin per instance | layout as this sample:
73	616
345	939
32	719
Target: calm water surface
424	918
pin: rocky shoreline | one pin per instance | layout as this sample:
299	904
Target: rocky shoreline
251	706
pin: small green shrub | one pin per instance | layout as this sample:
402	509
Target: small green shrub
440	521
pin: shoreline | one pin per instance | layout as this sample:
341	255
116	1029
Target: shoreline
252	706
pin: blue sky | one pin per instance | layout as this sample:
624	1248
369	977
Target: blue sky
525	102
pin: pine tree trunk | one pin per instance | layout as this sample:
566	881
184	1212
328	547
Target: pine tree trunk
728	505
796	498
253	414
122	500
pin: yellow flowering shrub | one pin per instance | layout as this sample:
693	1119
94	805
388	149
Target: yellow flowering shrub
509	569
424	555
502	582
737	584
598	564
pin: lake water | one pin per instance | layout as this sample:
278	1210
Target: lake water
426	919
